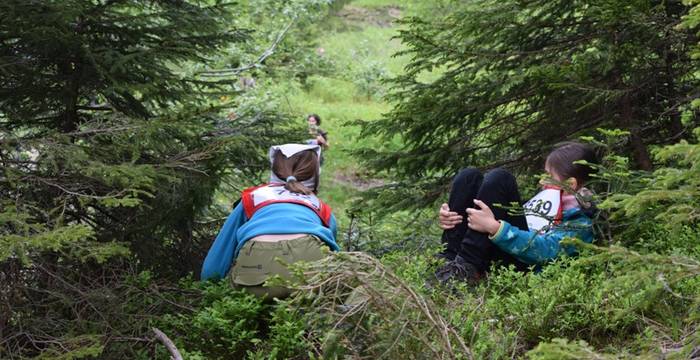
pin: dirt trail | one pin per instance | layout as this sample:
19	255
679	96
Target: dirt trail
381	17
355	180
361	17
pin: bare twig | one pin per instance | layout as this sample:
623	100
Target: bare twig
267	53
103	130
69	192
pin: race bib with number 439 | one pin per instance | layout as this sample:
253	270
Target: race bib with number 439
543	209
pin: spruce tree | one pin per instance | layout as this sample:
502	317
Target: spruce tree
112	148
497	83
108	143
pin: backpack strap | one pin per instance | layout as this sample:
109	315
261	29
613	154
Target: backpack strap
247	199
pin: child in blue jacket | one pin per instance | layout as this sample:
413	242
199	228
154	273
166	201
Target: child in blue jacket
280	222
489	234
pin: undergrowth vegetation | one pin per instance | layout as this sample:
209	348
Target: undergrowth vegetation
101	287
627	297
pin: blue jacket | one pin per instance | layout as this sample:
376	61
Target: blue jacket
280	218
533	248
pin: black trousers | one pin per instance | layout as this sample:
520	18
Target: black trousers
498	186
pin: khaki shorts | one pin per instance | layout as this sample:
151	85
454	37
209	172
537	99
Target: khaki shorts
257	261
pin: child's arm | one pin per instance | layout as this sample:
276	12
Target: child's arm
533	248
322	138
220	256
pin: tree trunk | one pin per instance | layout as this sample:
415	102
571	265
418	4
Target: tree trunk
640	153
675	127
71	91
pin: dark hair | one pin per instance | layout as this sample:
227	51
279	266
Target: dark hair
562	160
315	116
302	165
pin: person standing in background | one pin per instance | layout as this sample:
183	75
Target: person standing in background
320	137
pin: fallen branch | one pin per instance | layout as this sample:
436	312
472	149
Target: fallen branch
174	352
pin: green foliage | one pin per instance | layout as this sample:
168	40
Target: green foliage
284	45
691	21
615	299
286	338
118	308
401	233
230	323
223	328
79	347
20	236
597	293
125	53
368	75
114	144
670	195
94	136
658	238
563	349
513	78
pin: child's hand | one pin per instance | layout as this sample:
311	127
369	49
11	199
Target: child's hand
482	219
448	219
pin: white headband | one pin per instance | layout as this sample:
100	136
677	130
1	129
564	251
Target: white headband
288	150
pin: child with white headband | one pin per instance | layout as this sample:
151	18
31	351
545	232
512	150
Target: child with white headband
281	220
